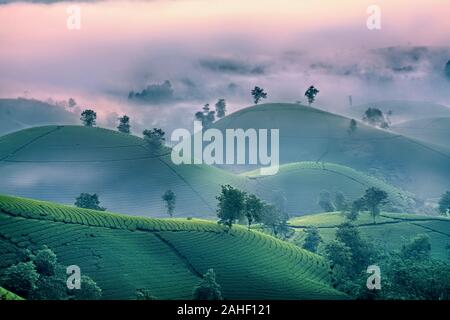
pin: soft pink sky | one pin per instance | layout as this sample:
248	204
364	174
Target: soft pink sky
123	44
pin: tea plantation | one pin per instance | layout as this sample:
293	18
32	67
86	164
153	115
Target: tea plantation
391	231
165	256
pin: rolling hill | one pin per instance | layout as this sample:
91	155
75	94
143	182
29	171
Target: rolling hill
309	134
403	110
17	114
301	183
431	130
57	163
391	231
165	256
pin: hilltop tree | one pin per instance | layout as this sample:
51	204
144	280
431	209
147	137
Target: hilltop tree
444	204
231	205
206	116
89	201
373	199
155	137
375	117
169	198
221	108
208	288
258	94
253	209
312	239
352	126
89	117
311	94
325	201
124	124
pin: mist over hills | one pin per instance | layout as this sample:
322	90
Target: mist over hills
310	134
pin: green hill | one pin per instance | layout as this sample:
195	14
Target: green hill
7	295
17	114
403	110
391	231
309	134
301	183
165	256
432	130
57	163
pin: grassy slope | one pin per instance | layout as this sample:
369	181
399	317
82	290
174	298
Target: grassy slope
166	256
7	295
309	134
432	130
57	163
302	183
391	231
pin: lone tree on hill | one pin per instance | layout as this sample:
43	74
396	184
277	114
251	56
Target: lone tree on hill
444	203
311	94
258	94
253	209
206	116
231	205
221	108
155	137
89	201
208	288
89	117
169	198
124	124
373	199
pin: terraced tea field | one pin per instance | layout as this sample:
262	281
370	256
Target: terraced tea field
391	230
166	256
